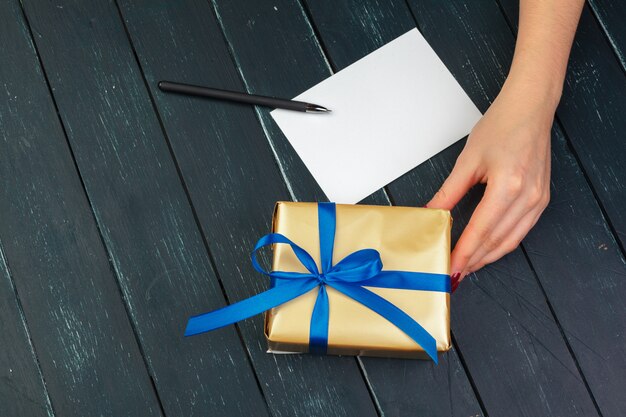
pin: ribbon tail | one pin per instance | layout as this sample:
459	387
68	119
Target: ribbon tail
247	308
393	314
318	335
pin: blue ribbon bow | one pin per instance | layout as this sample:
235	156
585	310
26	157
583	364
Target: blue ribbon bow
349	276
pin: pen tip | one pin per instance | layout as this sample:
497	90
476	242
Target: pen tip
314	108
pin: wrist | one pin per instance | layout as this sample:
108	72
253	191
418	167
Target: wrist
535	90
537	74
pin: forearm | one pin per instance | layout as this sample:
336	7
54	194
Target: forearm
545	35
509	148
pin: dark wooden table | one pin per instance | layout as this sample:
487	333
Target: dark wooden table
124	210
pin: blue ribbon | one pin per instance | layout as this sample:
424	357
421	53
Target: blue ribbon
349	276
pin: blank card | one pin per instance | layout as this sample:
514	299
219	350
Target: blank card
391	111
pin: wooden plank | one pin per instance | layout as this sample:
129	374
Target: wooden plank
493	310
143	213
272	61
611	16
75	315
586	302
22	390
233	181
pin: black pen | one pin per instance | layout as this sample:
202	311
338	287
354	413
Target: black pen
278	103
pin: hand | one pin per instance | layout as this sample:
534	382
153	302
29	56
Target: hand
509	150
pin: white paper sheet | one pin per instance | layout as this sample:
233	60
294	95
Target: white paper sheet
391	111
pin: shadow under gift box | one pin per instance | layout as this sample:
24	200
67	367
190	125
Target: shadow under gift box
408	239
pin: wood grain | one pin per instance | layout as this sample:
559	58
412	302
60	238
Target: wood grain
611	16
84	342
22	390
143	213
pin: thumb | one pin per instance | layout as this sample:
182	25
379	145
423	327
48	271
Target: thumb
458	183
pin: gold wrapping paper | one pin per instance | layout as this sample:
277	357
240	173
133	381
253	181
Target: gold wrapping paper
408	239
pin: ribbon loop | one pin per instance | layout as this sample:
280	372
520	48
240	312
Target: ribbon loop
356	267
272	238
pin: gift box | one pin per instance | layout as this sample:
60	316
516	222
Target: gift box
351	280
407	238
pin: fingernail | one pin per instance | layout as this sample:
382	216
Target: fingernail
454	280
425	206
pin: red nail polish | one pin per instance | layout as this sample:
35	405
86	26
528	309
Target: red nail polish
454	280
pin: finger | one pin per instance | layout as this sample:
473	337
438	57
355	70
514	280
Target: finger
511	243
458	183
513	240
523	205
456	281
509	240
492	207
